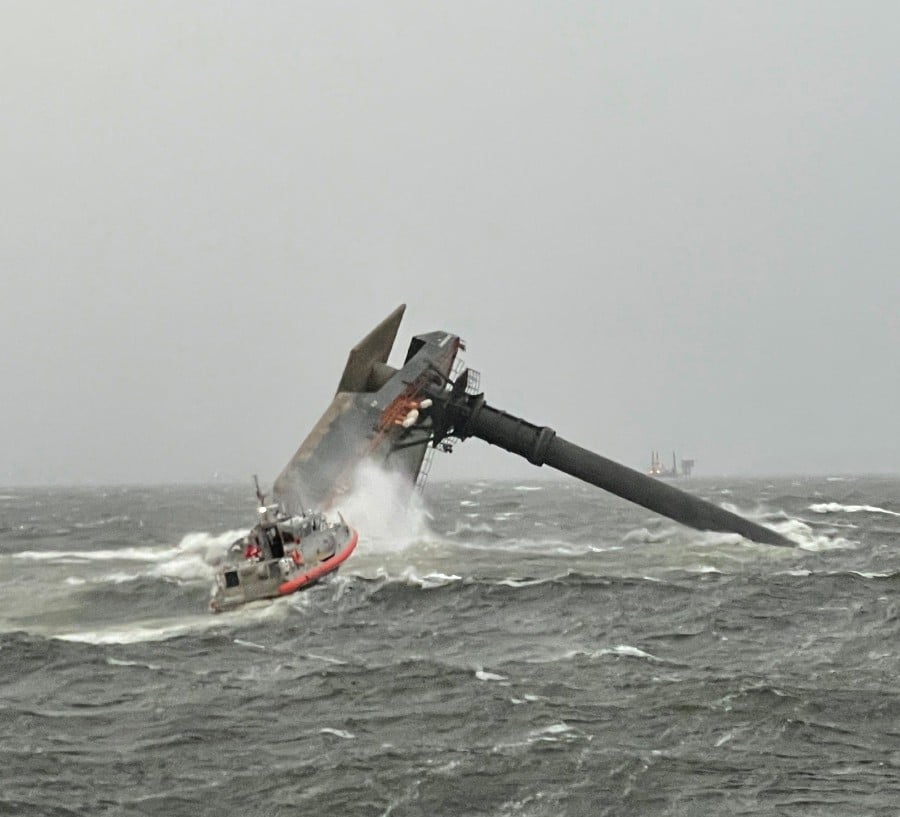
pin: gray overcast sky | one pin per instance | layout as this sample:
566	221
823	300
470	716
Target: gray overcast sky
657	225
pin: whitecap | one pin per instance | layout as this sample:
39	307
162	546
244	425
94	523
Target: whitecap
129	554
836	507
528	488
802	535
117	578
555	733
118	662
630	652
514	583
481	675
431	580
467	527
186	560
326	658
721	538
130	635
556	729
645	536
338	733
164	630
526	699
252	644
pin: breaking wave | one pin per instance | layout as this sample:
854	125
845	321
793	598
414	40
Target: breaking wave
836	507
194	558
805	538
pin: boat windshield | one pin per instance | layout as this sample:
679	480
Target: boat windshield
274	541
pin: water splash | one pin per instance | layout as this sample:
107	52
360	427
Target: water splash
381	508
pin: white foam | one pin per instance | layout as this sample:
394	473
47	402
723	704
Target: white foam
556	729
706	538
515	583
193	559
380	507
802	535
469	527
338	733
645	536
129	635
326	658
719	538
185	560
429	581
630	652
481	675
541	547
555	733
836	507
252	644
795	530
116	662
166	629
116	578
129	554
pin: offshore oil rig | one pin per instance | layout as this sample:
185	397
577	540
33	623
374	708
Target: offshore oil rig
399	417
657	469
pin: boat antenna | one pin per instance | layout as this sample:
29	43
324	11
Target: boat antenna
259	494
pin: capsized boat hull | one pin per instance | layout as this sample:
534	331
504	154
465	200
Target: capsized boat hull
268	572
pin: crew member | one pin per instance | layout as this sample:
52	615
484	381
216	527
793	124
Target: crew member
252	551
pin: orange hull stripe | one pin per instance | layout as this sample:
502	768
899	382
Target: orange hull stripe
321	569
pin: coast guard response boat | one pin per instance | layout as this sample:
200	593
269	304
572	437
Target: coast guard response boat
280	555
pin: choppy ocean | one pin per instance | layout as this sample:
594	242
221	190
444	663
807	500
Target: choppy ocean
529	649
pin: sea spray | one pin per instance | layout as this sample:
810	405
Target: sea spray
381	507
